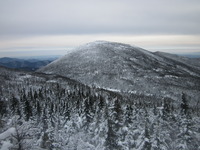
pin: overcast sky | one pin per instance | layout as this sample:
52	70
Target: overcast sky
53	26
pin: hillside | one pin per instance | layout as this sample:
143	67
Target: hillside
122	67
40	111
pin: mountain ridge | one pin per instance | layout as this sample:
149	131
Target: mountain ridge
24	64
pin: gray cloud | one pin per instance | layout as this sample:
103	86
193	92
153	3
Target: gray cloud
93	17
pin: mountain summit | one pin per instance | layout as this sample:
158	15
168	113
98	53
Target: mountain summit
123	67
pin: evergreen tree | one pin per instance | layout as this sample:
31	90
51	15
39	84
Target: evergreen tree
40	94
166	109
3	108
184	104
38	108
117	115
44	120
14	104
147	141
87	113
129	115
27	110
101	102
114	133
111	139
35	95
67	112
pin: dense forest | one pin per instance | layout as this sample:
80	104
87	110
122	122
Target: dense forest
39	111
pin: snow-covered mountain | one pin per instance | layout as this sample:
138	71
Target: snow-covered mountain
117	66
127	98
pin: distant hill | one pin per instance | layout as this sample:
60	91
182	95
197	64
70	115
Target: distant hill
191	55
30	64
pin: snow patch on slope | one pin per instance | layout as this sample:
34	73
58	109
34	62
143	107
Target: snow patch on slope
7	133
6	143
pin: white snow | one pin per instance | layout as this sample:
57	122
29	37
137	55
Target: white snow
7	133
171	76
113	90
5	145
27	76
3	138
52	81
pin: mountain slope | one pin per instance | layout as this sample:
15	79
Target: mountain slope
40	111
123	67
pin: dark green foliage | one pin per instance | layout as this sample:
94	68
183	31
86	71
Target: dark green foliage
128	114
166	108
44	120
117	114
41	97
111	139
184	104
14	104
147	143
67	112
38	108
35	95
87	111
101	102
64	112
27	110
3	108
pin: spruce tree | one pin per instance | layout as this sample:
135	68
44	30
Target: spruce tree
14	104
111	139
27	110
184	104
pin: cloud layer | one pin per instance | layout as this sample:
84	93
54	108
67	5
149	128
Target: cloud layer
33	18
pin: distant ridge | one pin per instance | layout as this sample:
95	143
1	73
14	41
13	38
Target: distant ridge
24	64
